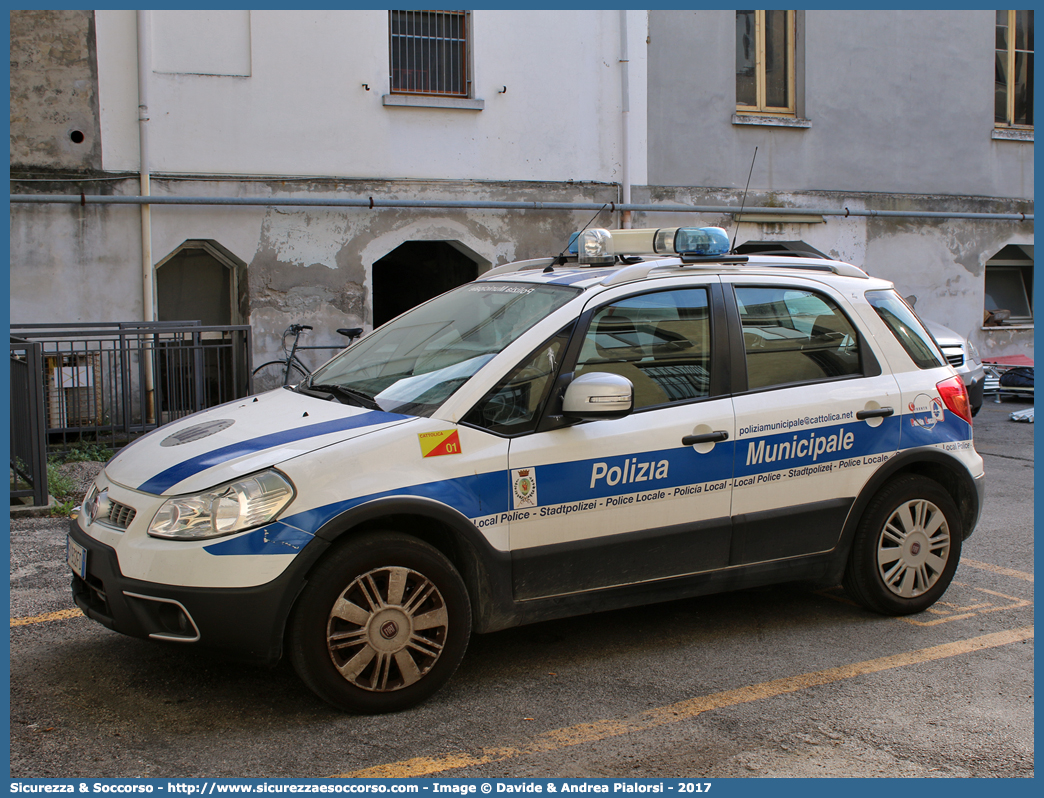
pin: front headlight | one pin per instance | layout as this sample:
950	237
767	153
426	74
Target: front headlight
973	353
225	510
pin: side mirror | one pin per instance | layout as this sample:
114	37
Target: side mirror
598	395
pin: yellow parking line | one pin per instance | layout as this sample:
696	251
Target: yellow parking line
685	710
60	615
997	569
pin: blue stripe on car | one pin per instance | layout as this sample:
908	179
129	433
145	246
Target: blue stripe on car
487	494
187	468
474	496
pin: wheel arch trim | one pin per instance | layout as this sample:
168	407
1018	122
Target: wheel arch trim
964	488
485	570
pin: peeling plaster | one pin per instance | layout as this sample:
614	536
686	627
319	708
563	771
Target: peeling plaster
306	239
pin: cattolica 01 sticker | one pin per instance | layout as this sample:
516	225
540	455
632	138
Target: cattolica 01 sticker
435	444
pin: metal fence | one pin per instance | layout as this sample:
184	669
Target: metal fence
28	442
108	383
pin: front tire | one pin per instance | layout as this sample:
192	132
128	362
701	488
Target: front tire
906	548
382	624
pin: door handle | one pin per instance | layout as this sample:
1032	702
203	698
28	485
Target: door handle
882	412
709	437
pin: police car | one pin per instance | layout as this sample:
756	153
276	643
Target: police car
642	418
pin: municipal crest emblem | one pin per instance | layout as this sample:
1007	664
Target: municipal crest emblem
524	487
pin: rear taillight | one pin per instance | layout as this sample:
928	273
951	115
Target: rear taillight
955	397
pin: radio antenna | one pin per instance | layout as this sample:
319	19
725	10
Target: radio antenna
743	202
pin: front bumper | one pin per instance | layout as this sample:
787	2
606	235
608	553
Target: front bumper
246	622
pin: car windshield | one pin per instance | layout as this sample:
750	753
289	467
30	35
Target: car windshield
415	362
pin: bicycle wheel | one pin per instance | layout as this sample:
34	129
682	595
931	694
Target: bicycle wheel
275	374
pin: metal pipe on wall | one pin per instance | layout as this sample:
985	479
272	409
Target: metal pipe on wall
144	64
374	203
625	102
148	281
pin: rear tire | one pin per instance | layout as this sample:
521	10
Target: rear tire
271	375
906	548
382	624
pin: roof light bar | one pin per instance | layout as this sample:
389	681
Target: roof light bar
701	241
594	245
710	241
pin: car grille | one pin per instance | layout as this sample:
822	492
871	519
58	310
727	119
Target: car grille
106	511
955	360
120	516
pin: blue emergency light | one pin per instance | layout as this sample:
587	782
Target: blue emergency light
701	241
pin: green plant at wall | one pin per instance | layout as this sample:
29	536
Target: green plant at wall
59	484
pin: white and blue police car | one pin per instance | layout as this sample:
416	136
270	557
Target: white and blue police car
645	417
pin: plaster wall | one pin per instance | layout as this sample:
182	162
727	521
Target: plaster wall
306	265
898	102
75	264
54	105
315	265
303	107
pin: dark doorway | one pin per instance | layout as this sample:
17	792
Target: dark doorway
414	272
193	285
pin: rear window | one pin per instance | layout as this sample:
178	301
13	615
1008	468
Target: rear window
906	327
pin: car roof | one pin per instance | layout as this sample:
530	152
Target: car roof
630	269
596	256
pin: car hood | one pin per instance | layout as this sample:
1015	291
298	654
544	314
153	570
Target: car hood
944	336
238	438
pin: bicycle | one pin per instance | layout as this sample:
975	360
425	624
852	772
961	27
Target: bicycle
278	373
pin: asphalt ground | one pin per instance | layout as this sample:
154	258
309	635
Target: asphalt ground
771	682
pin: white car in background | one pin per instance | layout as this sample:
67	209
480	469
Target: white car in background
963	356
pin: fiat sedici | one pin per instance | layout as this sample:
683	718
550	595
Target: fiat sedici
642	418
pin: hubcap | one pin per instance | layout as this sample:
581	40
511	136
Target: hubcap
387	629
913	548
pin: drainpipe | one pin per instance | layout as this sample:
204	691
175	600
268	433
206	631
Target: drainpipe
147	276
625	102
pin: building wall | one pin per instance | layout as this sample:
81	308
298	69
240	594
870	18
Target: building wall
899	102
277	103
288	97
303	265
54	103
899	111
270	104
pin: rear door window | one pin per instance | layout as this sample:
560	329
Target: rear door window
791	335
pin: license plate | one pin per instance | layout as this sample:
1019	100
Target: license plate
76	556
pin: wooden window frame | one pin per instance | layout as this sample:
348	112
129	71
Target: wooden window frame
761	80
1009	124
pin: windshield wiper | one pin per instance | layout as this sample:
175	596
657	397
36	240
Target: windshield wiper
305	389
354	397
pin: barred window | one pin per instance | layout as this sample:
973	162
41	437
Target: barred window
1014	69
429	52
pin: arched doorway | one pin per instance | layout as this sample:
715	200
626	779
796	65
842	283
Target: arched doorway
199	281
414	272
